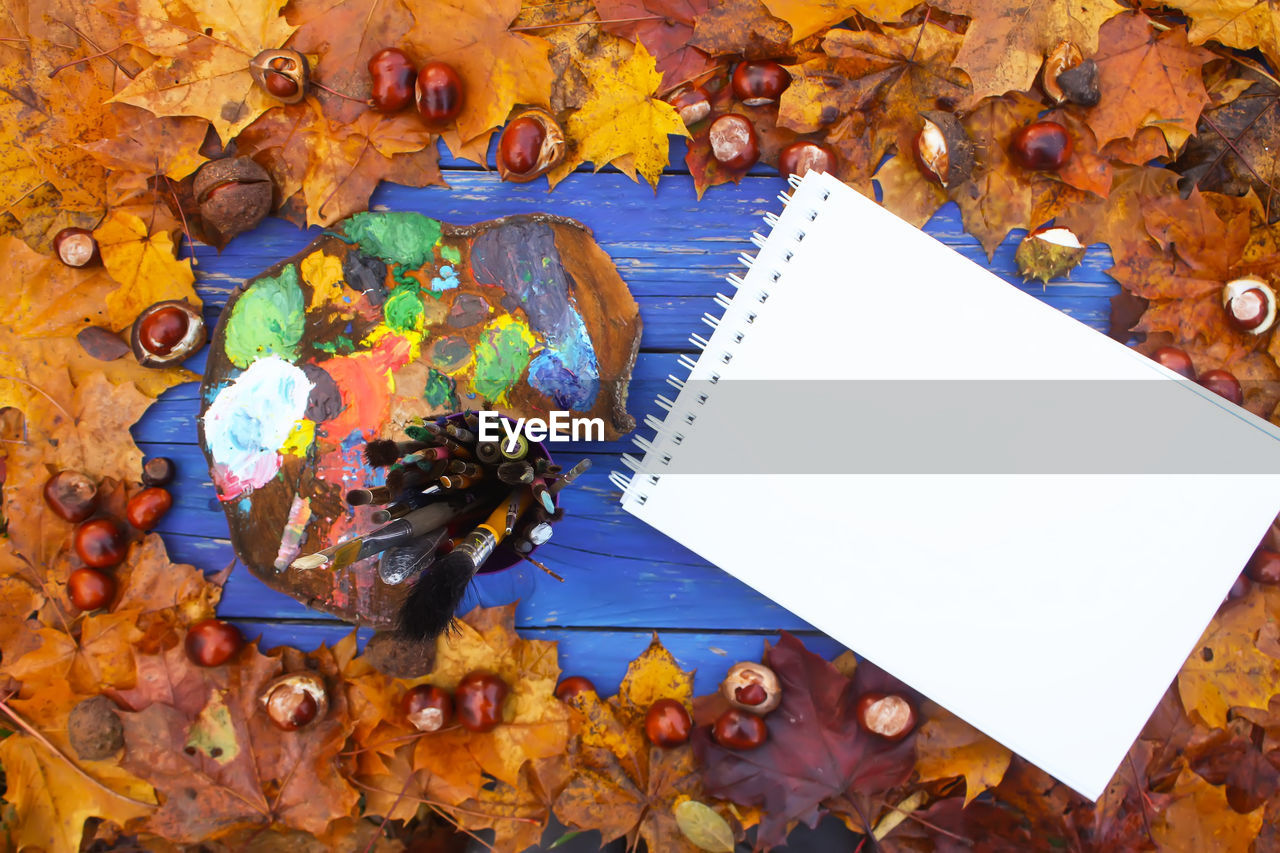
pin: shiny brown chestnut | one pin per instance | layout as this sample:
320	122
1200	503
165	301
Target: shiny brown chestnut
1176	360
439	93
1043	146
145	509
800	158
667	723
158	471
733	142
282	73
212	642
100	543
393	77
1224	384
740	730
167	333
692	104
887	715
531	144
427	708
295	700
759	83
71	495
90	589
76	247
477	701
573	686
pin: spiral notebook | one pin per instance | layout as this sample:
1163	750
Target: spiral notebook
1021	518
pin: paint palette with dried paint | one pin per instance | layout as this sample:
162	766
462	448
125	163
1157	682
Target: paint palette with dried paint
384	318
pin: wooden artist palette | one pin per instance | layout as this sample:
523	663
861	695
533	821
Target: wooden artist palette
384	318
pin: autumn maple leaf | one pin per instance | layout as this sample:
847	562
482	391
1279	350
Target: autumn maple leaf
807	17
815	751
204	50
1006	43
622	122
665	28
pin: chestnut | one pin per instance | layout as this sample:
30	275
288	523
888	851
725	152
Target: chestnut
751	687
281	73
733	142
167	333
1250	304
575	685
234	195
1043	146
393	78
667	723
531	144
800	158
427	708
90	589
1176	360
158	471
477	701
439	93
759	83
295	700
1064	55
145	509
100	543
76	247
1224	384
943	150
71	495
212	642
885	715
1264	566
692	105
1048	253
737	729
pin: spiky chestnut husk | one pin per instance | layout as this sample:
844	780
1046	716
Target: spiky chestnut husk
234	195
943	150
1048	253
94	729
1080	84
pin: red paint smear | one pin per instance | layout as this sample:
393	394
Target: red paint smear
364	381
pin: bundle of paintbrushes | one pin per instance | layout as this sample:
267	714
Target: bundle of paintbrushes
451	505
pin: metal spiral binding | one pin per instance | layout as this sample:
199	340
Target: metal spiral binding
668	433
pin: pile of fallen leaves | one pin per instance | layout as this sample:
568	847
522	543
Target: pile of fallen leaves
109	108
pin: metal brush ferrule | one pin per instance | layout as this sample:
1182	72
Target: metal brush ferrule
478	545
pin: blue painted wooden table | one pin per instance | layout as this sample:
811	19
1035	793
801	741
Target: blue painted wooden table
622	579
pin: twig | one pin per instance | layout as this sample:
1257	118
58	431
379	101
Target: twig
42	393
1231	144
106	54
65	65
927	824
928	10
325	88
373	839
436	804
34	733
544	568
585	23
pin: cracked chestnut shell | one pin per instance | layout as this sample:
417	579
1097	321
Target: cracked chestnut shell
281	73
295	700
943	150
752	687
166	334
531	144
233	194
1250	304
1065	55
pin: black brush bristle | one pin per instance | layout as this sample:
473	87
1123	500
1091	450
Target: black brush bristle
381	452
515	473
428	609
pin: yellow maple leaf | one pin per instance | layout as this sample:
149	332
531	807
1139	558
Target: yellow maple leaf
1245	24
53	800
205	49
947	746
1200	818
807	17
1227	669
143	265
621	118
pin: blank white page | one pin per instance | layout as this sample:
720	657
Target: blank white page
1049	609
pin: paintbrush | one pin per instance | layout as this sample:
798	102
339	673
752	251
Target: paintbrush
460	434
514	448
429	607
488	452
396	532
364	497
466	469
517	472
542	494
427	454
401	562
383	452
569	476
404	506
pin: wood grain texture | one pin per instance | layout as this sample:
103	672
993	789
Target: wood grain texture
622	578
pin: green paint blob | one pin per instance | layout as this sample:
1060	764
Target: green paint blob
267	319
439	391
408	239
403	310
502	354
450	253
337	346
